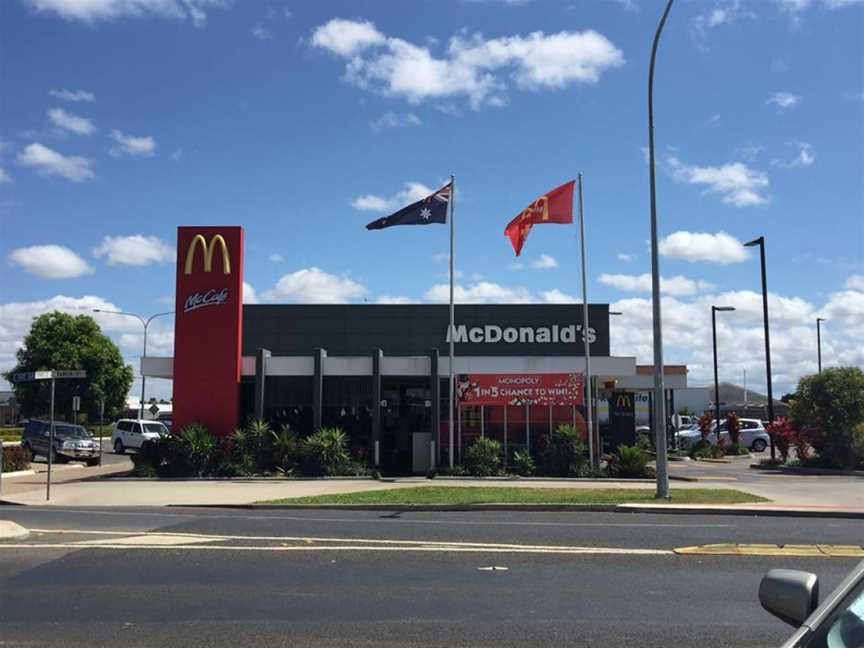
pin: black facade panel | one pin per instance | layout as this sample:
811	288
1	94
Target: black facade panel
412	329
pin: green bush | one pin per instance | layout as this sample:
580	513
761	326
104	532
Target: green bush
628	461
523	463
325	452
286	449
565	454
16	458
198	445
483	458
735	449
831	405
707	450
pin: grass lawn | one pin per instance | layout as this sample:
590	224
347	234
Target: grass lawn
513	495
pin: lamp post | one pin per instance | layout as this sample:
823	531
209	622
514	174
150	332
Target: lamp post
761	243
819	321
659	409
714	310
145	323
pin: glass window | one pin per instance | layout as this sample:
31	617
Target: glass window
845	627
155	427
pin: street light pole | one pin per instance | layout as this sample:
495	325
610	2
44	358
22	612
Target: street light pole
659	409
146	324
761	243
714	310
819	320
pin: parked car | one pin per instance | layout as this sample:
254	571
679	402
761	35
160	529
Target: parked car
132	433
793	596
752	435
71	442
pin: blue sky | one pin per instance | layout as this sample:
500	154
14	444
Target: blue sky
304	121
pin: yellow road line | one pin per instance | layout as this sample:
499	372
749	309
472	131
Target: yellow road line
801	550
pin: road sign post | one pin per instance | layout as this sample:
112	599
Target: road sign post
52	375
101	426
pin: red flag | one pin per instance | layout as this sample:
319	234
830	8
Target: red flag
553	207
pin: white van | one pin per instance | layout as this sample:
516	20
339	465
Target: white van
132	433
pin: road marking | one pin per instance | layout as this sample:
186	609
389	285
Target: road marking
163	539
493	568
802	550
611	551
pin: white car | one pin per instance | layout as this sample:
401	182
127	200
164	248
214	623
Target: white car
752	435
132	433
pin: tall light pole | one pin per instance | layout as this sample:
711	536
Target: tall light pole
819	320
761	243
659	400
145	323
714	310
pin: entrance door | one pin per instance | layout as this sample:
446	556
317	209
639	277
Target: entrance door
408	410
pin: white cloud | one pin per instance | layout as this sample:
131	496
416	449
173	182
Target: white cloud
384	299
479	293
46	161
5	178
626	258
50	262
738	184
261	32
412	192
677	285
134	250
73	123
556	296
131	145
544	262
91	11
276	258
249	294
720	14
718	248
784	100
73	95
347	37
472	66
314	286
392	119
804	158
855	282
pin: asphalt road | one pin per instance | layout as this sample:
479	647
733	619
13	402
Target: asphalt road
325	578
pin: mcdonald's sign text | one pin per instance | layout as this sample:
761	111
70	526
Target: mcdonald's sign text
208	327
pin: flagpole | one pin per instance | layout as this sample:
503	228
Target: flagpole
585	329
452	313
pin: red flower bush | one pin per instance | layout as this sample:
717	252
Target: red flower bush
784	435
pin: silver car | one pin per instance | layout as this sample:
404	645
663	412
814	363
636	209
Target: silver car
752	435
838	622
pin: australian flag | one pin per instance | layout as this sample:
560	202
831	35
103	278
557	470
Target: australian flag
432	209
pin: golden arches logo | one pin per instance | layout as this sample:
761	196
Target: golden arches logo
623	400
207	251
539	206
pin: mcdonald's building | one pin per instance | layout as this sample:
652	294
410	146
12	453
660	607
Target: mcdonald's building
381	372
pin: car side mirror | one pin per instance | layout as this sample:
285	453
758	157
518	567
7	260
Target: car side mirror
790	595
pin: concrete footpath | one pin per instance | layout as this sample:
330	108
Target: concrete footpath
812	496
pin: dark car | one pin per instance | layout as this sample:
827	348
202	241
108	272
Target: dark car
71	442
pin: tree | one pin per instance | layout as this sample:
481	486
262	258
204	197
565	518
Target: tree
61	341
831	403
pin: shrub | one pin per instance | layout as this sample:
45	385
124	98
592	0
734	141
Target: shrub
628	461
705	423
523	463
832	403
325	452
198	446
16	458
286	449
565	454
783	433
735	449
483	458
733	427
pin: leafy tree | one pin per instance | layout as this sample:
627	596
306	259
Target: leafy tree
61	341
832	404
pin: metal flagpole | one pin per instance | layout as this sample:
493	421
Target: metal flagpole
585	327
452	391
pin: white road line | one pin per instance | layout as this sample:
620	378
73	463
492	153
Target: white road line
611	551
199	537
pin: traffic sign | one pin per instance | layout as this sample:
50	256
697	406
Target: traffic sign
70	373
153	409
27	376
76	403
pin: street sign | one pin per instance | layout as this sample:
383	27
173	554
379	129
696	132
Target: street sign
70	373
27	376
153	409
76	403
